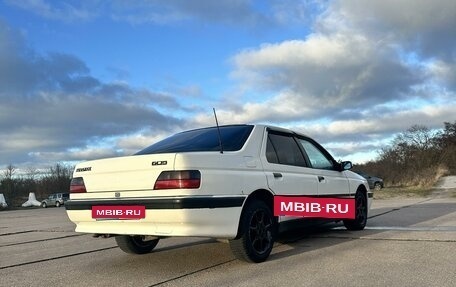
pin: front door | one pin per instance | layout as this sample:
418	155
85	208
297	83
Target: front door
331	181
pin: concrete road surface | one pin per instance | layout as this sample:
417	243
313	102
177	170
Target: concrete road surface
408	242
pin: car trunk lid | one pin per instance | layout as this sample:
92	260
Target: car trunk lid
131	173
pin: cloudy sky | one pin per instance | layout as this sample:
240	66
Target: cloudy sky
89	79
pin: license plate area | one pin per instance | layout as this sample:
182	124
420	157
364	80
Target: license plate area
118	212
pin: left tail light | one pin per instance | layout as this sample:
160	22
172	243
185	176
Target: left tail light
180	179
77	185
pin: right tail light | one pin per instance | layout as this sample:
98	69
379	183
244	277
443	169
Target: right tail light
180	179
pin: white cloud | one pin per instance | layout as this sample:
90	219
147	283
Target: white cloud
374	127
283	108
65	11
75	155
419	28
131	144
317	50
325	74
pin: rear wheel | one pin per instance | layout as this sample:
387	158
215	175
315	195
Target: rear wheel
360	213
257	233
377	186
136	244
57	204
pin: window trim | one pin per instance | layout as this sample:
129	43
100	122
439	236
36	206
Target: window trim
325	153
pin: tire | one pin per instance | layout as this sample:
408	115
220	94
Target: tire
360	213
136	244
257	233
43	205
377	186
57	204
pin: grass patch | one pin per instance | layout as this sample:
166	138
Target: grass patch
413	191
453	193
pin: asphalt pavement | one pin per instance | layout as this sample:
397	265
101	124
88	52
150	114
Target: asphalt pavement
407	242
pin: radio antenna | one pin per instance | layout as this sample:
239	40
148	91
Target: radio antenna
218	131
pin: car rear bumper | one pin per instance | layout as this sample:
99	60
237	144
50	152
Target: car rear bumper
208	216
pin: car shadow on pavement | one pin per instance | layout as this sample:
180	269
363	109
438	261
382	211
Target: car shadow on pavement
303	236
184	245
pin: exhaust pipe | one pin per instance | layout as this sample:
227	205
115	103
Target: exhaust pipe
97	235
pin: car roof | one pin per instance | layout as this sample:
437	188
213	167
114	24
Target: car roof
280	129
261	126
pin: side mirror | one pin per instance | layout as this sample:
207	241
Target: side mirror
346	165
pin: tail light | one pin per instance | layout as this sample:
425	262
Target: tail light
180	179
77	185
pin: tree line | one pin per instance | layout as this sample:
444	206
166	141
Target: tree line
418	156
16	187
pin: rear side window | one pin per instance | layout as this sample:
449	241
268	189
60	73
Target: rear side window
271	154
283	149
233	139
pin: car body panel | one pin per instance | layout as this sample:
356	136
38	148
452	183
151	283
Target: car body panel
133	173
208	222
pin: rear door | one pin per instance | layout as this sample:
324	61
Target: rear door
52	198
285	166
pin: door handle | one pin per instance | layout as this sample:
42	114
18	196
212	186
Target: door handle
321	178
277	175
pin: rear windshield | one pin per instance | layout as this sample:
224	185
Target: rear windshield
233	139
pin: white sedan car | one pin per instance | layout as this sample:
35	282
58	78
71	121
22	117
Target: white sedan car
210	182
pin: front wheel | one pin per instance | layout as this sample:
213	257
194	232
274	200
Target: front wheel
377	186
136	244
360	213
43	205
257	233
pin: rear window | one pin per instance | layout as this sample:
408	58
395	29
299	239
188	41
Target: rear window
233	139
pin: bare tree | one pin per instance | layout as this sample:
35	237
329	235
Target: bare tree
7	182
417	156
32	173
417	137
9	172
57	179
